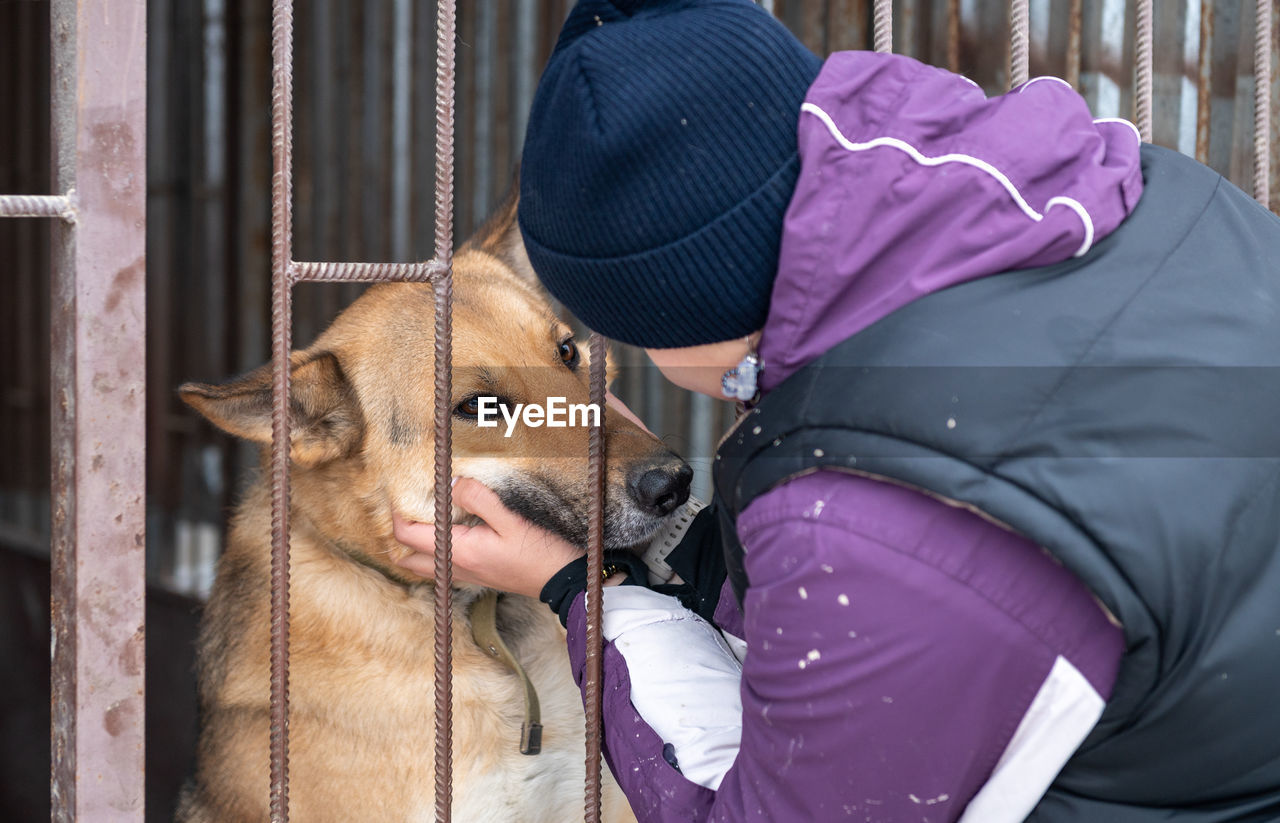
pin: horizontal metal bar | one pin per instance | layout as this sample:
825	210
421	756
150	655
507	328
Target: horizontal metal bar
38	205
301	272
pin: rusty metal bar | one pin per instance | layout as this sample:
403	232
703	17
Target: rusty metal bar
36	205
281	342
1262	102
98	387
1019	43
1075	16
1275	109
1143	58
595	541
446	36
300	272
1204	80
284	273
883	14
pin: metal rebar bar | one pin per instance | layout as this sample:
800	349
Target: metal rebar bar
446	33
883	13
1275	109
328	272
595	542
1019	43
36	205
1204	79
1142	59
1262	102
1075	17
281	334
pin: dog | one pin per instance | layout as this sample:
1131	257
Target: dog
361	652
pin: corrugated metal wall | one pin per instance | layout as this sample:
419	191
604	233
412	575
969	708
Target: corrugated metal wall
363	153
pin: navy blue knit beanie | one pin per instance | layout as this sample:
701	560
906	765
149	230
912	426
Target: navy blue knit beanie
658	164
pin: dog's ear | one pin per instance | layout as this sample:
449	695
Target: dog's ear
500	236
327	423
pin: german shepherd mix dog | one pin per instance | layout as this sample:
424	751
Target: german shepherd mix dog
361	669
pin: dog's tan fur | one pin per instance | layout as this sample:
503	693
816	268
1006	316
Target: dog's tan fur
361	670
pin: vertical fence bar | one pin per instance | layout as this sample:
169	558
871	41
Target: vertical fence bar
482	109
1075	15
285	272
98	388
595	541
526	70
401	112
1262	102
1019	42
701	440
953	35
1274	62
1204	79
281	334
446	32
1143	58
905	23
883	14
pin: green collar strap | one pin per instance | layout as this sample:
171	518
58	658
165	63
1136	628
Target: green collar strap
484	630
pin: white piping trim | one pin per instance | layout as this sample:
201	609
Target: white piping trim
968	160
1132	127
1023	87
1075	206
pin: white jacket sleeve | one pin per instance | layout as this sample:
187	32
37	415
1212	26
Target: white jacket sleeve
685	681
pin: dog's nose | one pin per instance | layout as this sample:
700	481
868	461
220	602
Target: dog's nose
661	490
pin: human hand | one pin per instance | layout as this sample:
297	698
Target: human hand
505	552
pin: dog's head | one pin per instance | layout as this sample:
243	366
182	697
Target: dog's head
363	400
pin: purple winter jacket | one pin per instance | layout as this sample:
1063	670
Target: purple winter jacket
906	659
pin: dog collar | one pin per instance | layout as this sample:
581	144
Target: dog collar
484	630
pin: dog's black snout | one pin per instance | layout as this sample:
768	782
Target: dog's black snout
661	490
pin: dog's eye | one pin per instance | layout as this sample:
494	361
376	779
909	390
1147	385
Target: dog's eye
569	353
468	408
494	407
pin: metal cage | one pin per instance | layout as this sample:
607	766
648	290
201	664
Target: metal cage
97	381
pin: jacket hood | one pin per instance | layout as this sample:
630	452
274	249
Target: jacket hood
912	180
